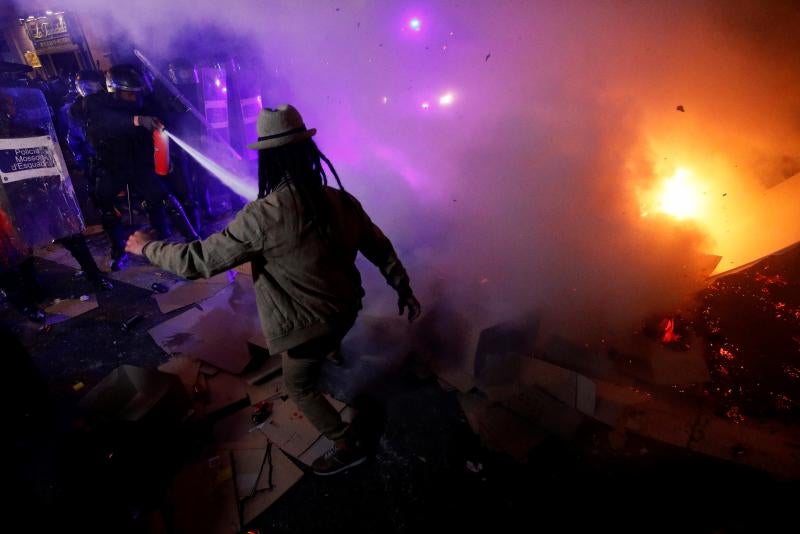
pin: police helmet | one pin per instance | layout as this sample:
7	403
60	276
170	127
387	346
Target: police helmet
124	78
89	82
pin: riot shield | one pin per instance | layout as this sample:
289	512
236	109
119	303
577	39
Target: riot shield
215	99
37	201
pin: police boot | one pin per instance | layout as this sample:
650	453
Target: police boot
76	245
115	233
79	249
158	220
179	218
118	258
28	292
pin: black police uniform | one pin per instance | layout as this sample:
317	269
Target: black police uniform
124	155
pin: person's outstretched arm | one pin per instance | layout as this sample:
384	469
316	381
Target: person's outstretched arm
241	241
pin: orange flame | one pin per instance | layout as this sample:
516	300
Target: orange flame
667	326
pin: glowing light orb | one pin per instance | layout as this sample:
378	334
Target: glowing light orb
217	82
446	99
415	24
425	105
680	197
385	100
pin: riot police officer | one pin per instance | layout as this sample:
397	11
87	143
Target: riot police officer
18	277
87	82
73	120
119	127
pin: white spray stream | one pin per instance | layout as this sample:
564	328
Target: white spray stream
239	185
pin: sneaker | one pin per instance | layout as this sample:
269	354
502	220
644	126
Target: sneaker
100	282
117	264
340	457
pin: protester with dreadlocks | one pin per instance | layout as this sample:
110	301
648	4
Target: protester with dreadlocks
302	238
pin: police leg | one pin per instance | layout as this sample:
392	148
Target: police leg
105	193
149	187
178	183
77	246
154	204
160	200
179	218
21	287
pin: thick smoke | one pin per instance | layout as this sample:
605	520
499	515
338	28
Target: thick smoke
527	192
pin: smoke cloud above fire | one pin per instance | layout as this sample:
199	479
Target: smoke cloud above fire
512	149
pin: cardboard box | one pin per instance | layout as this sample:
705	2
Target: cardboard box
136	394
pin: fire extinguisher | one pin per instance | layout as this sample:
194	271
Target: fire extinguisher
161	152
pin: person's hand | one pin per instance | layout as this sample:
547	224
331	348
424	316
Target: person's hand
413	305
137	241
150	123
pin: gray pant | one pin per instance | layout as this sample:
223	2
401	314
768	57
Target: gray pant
301	371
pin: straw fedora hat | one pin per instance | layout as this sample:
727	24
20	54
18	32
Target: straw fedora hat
278	127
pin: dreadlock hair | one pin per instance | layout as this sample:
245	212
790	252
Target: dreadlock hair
301	165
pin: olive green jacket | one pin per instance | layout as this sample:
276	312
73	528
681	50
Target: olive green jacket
306	285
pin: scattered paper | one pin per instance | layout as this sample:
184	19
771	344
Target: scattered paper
284	475
141	273
288	428
186	369
270	390
190	292
252	470
217	333
236	432
66	309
